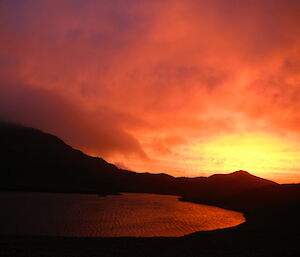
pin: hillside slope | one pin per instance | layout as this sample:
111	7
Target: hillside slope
33	160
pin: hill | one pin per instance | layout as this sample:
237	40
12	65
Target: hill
32	160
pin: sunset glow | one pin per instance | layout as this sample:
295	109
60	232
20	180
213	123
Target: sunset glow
189	88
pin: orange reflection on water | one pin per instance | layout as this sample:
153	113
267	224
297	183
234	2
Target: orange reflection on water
138	215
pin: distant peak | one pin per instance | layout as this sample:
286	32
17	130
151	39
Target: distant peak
237	173
240	172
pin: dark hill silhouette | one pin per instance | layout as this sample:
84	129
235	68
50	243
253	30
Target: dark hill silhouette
216	188
36	161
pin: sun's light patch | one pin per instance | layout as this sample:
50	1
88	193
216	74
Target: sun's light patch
255	152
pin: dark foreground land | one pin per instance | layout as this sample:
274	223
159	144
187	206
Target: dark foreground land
240	241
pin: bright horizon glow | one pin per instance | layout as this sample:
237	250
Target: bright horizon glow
260	154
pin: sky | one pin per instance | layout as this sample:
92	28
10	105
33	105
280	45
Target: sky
184	87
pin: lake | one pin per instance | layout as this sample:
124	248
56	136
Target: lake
129	214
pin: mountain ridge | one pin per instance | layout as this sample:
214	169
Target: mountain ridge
32	160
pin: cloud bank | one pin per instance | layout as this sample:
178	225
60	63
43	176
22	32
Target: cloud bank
152	84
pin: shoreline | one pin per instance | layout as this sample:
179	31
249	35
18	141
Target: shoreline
255	237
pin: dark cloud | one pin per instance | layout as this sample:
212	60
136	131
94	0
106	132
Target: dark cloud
99	133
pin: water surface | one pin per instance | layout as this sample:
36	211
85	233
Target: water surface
141	215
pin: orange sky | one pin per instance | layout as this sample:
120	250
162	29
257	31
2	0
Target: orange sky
185	87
